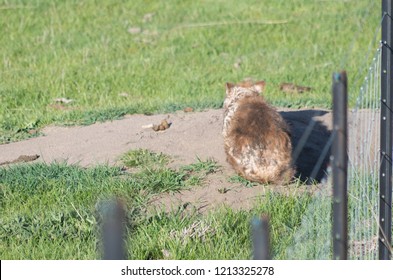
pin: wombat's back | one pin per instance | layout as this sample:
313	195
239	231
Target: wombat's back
257	141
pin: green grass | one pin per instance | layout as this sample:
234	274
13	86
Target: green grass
55	204
313	239
200	166
192	236
144	158
240	180
51	212
183	56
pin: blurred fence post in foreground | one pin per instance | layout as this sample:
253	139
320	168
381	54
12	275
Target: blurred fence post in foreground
340	167
260	238
113	230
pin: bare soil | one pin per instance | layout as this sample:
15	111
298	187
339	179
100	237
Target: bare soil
191	135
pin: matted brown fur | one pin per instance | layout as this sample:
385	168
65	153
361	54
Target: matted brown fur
256	138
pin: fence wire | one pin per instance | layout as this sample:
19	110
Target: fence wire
313	239
363	169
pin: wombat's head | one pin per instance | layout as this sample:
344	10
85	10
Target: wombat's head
234	92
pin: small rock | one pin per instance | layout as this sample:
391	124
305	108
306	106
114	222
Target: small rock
134	30
156	127
161	127
165	124
148	17
166	254
123	94
63	100
237	64
150	33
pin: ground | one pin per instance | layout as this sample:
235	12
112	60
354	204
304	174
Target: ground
191	135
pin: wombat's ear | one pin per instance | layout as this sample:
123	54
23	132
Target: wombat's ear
260	86
229	86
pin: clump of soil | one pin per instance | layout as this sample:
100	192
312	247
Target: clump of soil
20	159
162	126
292	88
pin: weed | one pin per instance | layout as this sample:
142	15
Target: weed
207	167
242	181
144	159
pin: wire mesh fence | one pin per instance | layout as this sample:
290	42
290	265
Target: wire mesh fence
364	163
314	238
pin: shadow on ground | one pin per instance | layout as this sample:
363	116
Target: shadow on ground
309	137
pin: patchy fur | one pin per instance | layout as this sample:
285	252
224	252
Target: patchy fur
256	138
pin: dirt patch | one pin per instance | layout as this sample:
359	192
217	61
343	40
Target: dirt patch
191	135
20	159
217	191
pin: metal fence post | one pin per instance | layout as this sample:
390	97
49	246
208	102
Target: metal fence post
260	238
339	167
113	230
385	175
